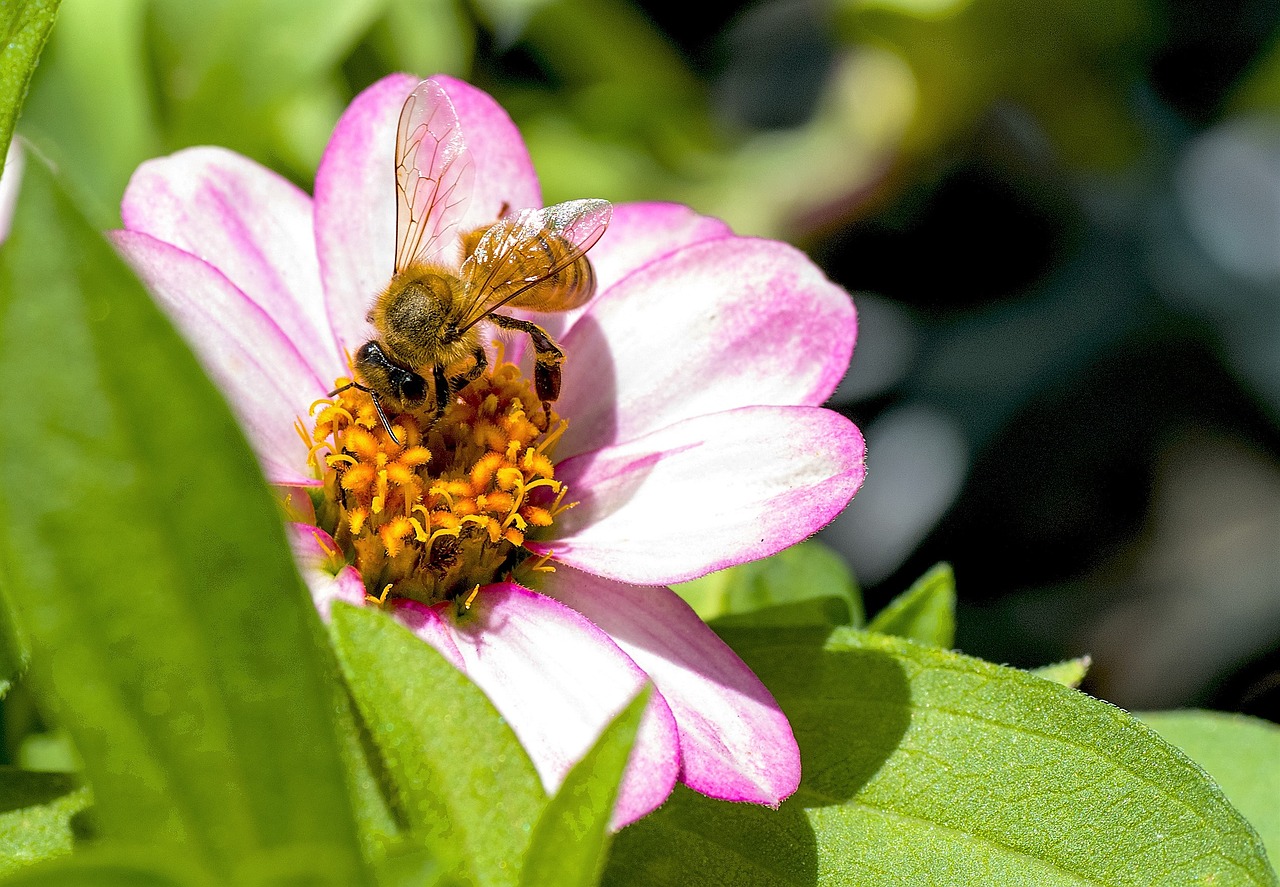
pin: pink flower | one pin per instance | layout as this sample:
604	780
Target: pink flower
695	439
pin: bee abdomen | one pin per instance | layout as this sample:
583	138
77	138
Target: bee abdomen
572	283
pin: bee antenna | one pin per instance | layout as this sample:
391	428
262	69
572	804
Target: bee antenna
377	405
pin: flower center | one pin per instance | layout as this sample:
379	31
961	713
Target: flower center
447	508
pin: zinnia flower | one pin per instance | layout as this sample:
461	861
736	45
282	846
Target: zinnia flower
532	553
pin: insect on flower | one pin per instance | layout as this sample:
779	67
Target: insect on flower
427	315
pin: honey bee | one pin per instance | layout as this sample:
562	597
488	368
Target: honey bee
426	318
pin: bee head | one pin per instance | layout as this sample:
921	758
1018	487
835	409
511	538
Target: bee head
385	377
410	388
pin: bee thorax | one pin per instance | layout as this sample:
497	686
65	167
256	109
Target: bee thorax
414	317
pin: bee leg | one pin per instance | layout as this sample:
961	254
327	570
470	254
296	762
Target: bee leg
462	380
444	392
547	358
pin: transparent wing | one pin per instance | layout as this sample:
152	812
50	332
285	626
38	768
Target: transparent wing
434	175
518	253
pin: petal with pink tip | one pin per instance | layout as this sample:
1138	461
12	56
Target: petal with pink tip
558	680
706	493
10	182
355	206
640	233
264	377
726	323
329	579
432	625
735	743
251	224
355	202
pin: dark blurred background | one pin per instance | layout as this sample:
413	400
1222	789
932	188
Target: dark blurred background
1060	221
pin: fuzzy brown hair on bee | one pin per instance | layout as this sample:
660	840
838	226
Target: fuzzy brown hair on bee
426	318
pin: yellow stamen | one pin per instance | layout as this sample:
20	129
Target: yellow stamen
466	605
328	552
445	509
541	565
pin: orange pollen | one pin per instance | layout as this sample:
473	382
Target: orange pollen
448	508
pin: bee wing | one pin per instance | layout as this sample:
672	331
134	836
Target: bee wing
513	255
434	174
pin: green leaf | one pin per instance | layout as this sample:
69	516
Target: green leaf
35	815
26	26
170	632
923	766
426	36
229	68
807	584
112	865
462	780
13	648
925	612
91	107
1241	753
1069	672
569	842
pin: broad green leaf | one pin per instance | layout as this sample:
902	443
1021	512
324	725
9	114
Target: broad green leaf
925	612
35	815
26	25
1258	90
229	68
170	633
1068	63
461	778
569	842
1241	753
923	766
408	864
49	751
427	36
380	828
113	865
91	107
807	584
1069	672
13	648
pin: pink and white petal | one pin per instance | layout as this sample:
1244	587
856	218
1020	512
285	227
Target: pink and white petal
505	176
433	625
355	202
326	575
706	493
295	503
726	323
355	206
251	224
10	182
264	377
558	680
639	233
735	742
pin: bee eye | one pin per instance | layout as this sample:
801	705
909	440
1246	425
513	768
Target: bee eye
413	389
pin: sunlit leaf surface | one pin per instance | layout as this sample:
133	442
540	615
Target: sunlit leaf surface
927	767
170	632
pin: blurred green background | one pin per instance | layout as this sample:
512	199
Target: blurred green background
1060	221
